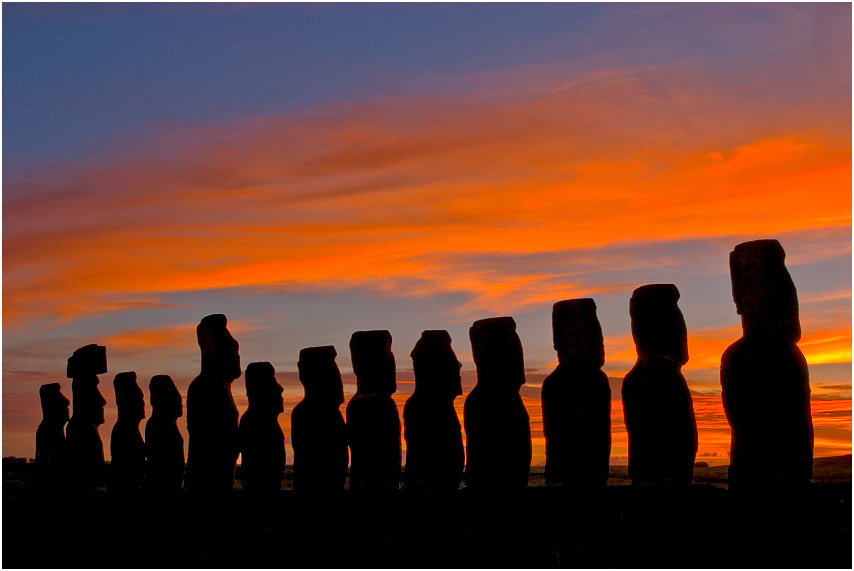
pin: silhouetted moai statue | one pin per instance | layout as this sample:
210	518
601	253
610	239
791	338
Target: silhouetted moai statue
764	376
373	423
318	431
498	429
83	443
576	399
127	449
164	445
658	409
50	437
211	413
431	427
262	442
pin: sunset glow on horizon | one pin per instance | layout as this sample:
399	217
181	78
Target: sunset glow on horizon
323	169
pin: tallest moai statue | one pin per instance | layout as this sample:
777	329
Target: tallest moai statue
764	376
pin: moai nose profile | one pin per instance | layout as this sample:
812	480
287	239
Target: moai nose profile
164	444
83	442
127	450
262	442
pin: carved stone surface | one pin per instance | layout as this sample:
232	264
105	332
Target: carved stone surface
764	375
212	422
373	423
576	399
318	431
434	442
84	445
658	409
498	428
50	437
164	445
127	449
262	442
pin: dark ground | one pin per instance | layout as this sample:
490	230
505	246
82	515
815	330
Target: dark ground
620	526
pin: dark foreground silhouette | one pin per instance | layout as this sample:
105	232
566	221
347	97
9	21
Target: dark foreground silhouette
50	438
764	376
262	442
657	404
127	449
85	460
576	399
164	445
434	441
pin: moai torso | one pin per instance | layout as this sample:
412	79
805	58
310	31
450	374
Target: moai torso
262	442
50	438
498	429
434	443
576	399
764	376
164	445
83	442
318	431
127	449
212	419
373	423
657	405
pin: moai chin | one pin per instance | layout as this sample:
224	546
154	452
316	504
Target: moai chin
212	422
576	399
431	427
318	431
83	442
498	428
764	376
164	445
657	405
373	423
127	449
50	437
262	442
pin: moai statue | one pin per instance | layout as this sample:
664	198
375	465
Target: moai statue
576	399
657	405
127	449
318	431
50	437
434	442
498	429
211	413
83	442
373	423
164	445
262	442
764	376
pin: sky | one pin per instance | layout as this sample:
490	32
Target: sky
311	170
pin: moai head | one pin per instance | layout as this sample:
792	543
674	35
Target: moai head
84	366
373	362
262	390
763	291
576	332
497	352
129	398
437	369
165	398
658	327
219	349
54	404
319	374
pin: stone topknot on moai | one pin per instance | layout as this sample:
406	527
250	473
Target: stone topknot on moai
318	431
764	376
50	437
127	449
498	428
83	442
658	409
164	445
211	412
431	427
576	399
373	423
262	442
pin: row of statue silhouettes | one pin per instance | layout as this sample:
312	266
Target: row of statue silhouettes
764	380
